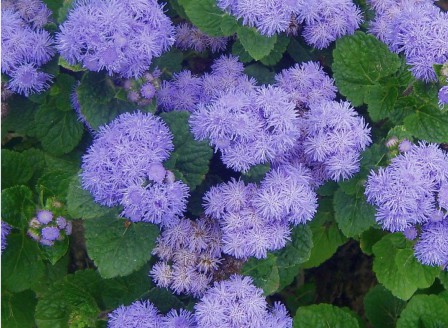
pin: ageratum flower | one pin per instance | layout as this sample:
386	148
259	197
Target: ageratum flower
120	36
236	302
6	229
190	37
432	247
140	314
179	319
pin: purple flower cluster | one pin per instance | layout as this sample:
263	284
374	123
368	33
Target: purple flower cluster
190	37
248	128
236	302
418	28
120	36
26	46
413	192
143	314
141	91
6	229
443	95
123	166
325	20
255	220
190	252
47	229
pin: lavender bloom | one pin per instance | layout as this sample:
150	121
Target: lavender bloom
410	233
140	314
6	229
306	83
432	247
236	302
443	96
120	155
50	233
44	216
190	37
123	36
190	252
46	229
419	29
25	46
178	319
148	90
328	20
405	192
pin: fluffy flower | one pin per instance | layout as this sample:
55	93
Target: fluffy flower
6	229
432	247
179	319
123	36
140	314
190	37
443	96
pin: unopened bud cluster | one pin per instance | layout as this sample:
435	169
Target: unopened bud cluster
46	228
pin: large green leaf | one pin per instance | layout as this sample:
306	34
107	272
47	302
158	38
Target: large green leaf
58	131
257	45
428	311
17	206
18	309
19	116
117	246
382	308
265	273
352	213
397	268
22	265
297	250
324	316
190	159
16	169
55	184
71	302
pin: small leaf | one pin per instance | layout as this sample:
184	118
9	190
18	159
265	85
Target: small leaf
17	206
18	309
21	263
277	53
257	45
190	157
16	169
324	315
119	249
264	272
58	131
429	311
55	252
382	308
80	203
352	213
397	268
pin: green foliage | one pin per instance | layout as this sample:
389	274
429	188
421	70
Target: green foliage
257	45
55	184
190	158
324	315
16	169
397	268
265	273
18	309
429	311
17	206
382	308
117	246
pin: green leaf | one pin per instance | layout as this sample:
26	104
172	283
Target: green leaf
16	169
352	213
369	238
287	275
96	97
54	253
297	250
426	121
257	45
170	62
21	263
361	64
74	68
382	308
256	173
323	316
19	117
206	15
118	249
397	268
260	73
239	51
164	300
264	272
18	309
18	206
55	184
70	302
58	131
299	52
443	277
80	203
60	92
277	53
326	235
428	311
190	159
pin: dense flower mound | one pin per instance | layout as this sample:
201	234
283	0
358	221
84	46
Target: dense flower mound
6	229
418	28
255	220
236	302
47	229
120	36
26	46
190	252
190	37
412	189
432	247
123	166
325	21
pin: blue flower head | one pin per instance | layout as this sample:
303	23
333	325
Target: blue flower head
6	229
432	247
140	314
